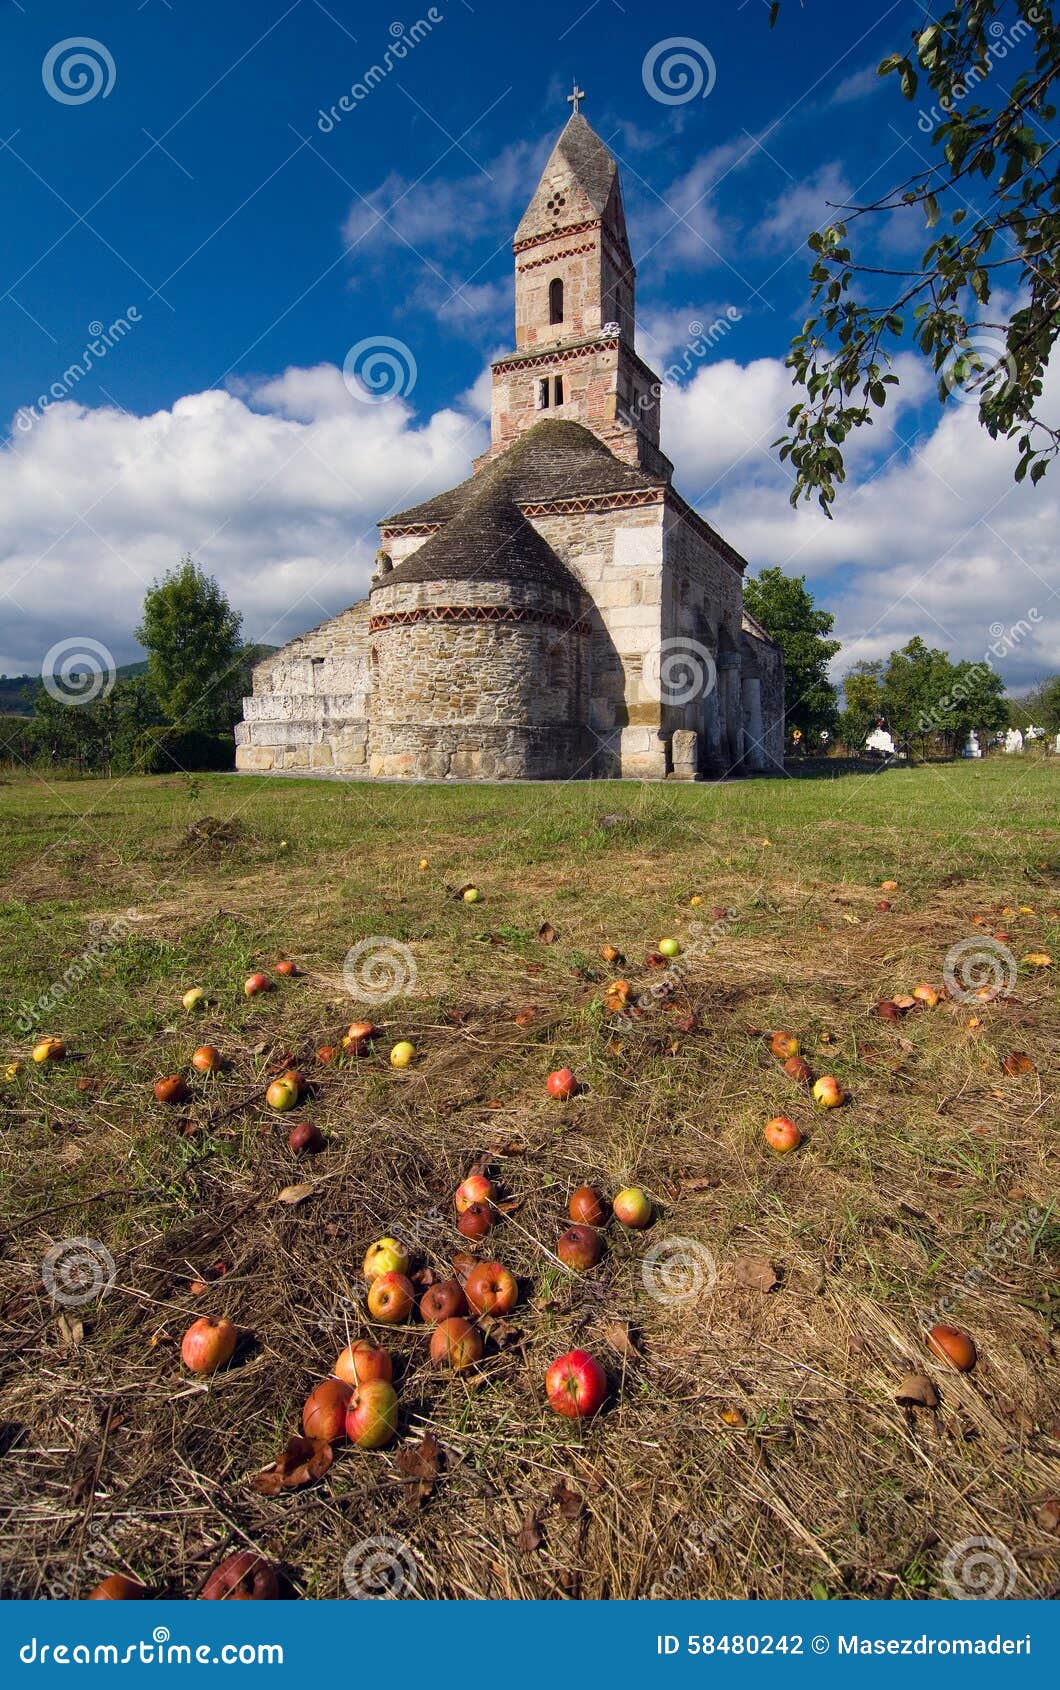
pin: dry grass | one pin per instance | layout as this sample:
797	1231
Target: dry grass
114	1459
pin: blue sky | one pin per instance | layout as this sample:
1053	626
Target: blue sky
250	246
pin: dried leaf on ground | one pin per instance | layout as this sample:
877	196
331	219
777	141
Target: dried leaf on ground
917	1391
303	1460
757	1273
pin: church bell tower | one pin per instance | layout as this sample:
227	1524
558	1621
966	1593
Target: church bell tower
575	310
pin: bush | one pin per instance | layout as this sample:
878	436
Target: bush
168	751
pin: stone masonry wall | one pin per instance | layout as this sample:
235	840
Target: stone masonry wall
309	707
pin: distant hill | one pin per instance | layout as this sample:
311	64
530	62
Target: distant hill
17	692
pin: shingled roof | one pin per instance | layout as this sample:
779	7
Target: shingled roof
581	156
552	460
488	540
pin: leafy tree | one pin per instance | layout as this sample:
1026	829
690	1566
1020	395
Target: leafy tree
916	685
1041	707
978	704
994	197
863	695
784	607
191	635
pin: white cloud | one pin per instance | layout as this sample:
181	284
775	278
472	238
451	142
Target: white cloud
859	86
803	207
275	490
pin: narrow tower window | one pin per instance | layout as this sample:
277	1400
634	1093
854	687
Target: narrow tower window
555	301
543	394
557	390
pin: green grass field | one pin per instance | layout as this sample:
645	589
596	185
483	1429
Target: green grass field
751	1444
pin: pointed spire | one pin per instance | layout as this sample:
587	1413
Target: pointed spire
577	182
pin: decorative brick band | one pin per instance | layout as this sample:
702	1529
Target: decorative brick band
554	257
478	613
423	529
557	234
606	343
584	502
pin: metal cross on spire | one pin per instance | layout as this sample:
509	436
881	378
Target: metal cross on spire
574	99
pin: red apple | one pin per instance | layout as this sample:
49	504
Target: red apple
576	1385
561	1083
391	1299
372	1417
208	1344
491	1289
781	1134
306	1139
456	1344
116	1587
172	1088
475	1189
579	1248
950	1344
257	983
324	1413
358	1037
797	1068
476	1221
632	1207
362	1363
207	1060
588	1206
286	967
784	1045
244	1577
442	1300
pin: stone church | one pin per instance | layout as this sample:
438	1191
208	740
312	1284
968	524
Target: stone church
563	613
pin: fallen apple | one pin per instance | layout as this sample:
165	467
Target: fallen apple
402	1054
950	1344
362	1362
828	1093
883	905
423	864
475	1189
491	1289
244	1577
456	1344
588	1206
576	1385
327	1053
784	1045
116	1587
888	885
286	967
579	1248
654	959
781	1134
207	1060
561	1083
797	1068
208	1344
442	1300
306	1139
194	998
324	1412
927	995
632	1207
475	1221
391	1299
257	983
171	1088
386	1255
282	1094
13	1070
669	948
49	1050
471	895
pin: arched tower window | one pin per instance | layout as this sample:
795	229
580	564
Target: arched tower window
555	301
